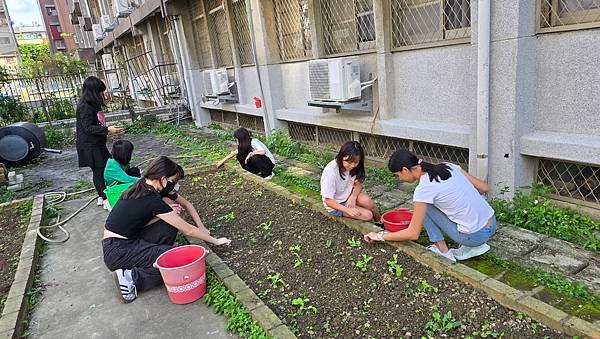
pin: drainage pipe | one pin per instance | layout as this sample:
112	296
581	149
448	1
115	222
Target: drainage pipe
483	87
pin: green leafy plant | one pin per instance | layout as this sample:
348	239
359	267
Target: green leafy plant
57	137
12	110
486	331
303	306
6	195
425	287
58	108
362	263
328	243
440	323
239	320
295	249
257	194
354	243
237	181
394	266
228	217
265	226
276	280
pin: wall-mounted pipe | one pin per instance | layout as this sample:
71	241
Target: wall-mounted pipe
483	87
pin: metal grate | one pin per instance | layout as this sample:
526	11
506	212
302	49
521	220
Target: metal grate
200	34
318	74
571	13
302	133
217	27
332	138
417	22
230	118
348	25
216	116
571	180
164	37
441	153
242	32
378	146
293	29
251	122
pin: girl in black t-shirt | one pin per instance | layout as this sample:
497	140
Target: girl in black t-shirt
132	241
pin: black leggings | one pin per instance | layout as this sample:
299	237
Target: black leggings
98	176
139	255
257	164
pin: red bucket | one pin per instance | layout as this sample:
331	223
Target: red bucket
396	220
183	271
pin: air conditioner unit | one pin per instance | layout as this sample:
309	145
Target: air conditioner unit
216	81
98	33
113	80
107	61
334	79
108	23
122	8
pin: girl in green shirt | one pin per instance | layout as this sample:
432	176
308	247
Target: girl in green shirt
117	170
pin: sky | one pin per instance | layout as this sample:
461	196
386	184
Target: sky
24	12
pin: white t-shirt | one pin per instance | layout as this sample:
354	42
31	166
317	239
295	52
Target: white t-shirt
257	144
333	186
457	198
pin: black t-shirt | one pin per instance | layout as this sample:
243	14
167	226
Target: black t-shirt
129	216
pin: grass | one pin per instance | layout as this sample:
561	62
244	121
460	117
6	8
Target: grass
6	195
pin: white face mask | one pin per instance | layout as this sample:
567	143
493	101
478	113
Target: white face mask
176	188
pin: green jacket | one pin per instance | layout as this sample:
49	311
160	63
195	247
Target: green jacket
114	174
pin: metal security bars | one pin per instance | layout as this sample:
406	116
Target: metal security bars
242	32
378	146
571	181
348	25
293	29
200	34
219	33
555	15
250	122
416	22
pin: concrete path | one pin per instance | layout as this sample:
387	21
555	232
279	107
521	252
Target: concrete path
82	301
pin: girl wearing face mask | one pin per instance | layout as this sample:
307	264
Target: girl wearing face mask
132	243
341	185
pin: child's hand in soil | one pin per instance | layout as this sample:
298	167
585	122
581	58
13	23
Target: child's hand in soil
371	237
222	241
353	212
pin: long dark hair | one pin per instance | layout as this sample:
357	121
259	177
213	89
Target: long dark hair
403	158
353	151
158	168
122	151
244	139
91	92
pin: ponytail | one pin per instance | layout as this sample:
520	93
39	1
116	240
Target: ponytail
403	158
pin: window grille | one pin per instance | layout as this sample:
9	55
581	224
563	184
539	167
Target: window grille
348	25
573	181
293	29
568	14
416	22
217	27
200	34
242	32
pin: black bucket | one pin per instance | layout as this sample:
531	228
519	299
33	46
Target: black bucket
20	143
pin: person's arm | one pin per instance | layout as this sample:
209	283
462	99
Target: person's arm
411	233
88	118
192	212
480	185
227	157
352	211
357	188
187	229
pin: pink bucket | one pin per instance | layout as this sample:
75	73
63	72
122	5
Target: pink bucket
183	271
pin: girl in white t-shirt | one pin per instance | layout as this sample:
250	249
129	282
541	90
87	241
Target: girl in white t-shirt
252	155
447	201
341	185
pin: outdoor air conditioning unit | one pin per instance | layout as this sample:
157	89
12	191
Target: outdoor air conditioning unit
334	79
108	24
122	8
107	61
98	33
216	81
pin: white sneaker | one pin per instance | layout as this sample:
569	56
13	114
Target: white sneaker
466	252
448	255
100	201
270	176
125	285
106	205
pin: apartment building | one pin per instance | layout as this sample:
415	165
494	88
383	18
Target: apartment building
9	52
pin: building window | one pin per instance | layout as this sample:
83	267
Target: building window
242	32
348	25
165	40
416	22
568	14
51	11
293	29
217	26
200	34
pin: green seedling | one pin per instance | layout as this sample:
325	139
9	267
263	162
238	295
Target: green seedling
228	217
277	280
361	264
298	261
425	287
237	181
395	267
303	306
440	323
295	248
265	226
257	194
328	243
486	331
354	243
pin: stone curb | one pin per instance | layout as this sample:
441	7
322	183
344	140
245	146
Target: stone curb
502	293
17	304
260	312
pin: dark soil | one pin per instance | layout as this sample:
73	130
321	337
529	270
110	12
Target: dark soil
348	302
14	219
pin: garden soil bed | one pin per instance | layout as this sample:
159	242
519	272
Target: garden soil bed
14	219
348	302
